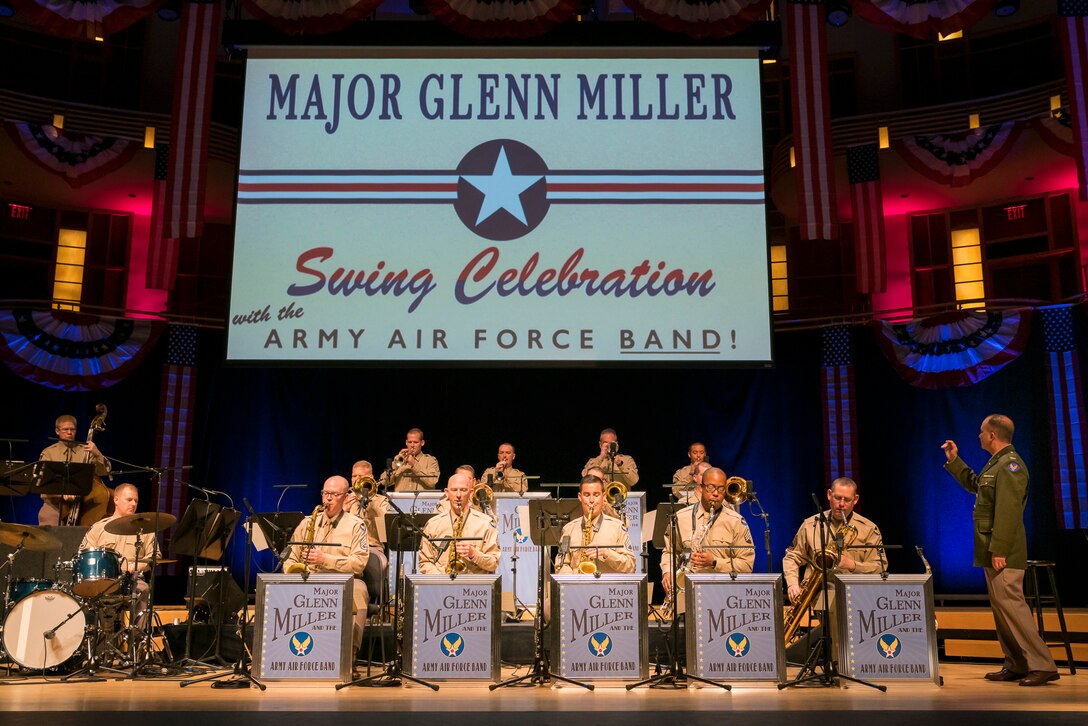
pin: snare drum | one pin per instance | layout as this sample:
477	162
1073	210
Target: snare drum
20	588
95	572
37	614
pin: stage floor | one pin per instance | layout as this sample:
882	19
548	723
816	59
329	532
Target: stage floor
162	701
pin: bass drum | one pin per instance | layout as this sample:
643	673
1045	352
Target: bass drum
27	623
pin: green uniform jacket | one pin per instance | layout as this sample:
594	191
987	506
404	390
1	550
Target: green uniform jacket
1001	491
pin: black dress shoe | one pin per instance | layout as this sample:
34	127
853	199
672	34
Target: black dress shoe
1005	675
1038	678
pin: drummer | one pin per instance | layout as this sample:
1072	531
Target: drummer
125	500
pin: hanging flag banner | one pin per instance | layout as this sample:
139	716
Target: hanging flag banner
526	207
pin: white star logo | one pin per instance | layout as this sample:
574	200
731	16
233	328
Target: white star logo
502	189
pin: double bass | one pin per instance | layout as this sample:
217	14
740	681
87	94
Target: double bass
96	505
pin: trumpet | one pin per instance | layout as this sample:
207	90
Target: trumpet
400	459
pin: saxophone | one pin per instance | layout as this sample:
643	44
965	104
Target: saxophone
455	565
686	566
296	568
826	558
587	566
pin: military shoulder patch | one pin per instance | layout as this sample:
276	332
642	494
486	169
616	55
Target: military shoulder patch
1013	467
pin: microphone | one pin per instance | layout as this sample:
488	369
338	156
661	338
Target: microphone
491	480
50	634
249	508
613	447
564	548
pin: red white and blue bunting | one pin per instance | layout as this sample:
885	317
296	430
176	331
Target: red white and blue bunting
1056	129
701	18
84	19
919	18
72	351
960	158
310	17
79	158
503	18
954	349
1068	420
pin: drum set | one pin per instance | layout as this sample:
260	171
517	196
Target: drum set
92	616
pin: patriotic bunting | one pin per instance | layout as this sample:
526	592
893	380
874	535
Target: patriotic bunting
815	172
83	19
863	169
310	17
1056	129
919	18
72	351
954	349
1074	31
184	210
503	18
839	410
1068	423
701	18
958	159
79	158
177	409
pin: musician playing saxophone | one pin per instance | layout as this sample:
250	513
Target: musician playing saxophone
333	524
603	530
478	553
716	536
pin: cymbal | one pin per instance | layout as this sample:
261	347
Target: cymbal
165	562
143	523
31	538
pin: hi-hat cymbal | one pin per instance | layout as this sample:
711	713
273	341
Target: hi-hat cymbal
31	538
143	523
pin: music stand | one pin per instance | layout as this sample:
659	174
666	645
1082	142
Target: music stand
203	533
277	528
63	478
403	532
16	478
547	517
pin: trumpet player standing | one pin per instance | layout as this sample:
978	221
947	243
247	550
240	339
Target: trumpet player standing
412	470
595	527
478	554
503	476
331	523
709	531
616	466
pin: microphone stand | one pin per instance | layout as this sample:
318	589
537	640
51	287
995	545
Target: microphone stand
394	674
188	661
242	666
753	504
675	675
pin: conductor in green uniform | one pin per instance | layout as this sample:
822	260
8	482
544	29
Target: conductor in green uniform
1001	549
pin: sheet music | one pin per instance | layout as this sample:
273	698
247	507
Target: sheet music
259	542
523	517
648	523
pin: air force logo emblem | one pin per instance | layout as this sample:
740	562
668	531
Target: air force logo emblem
301	644
889	646
600	645
452	645
519	537
738	645
1013	467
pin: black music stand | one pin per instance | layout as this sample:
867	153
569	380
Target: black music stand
63	478
203	533
16	478
277	528
547	518
403	532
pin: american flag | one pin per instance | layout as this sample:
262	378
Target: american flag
863	169
162	259
811	120
1068	424
177	402
184	212
840	429
1075	42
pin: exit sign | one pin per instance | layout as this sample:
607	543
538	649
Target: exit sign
1015	211
19	211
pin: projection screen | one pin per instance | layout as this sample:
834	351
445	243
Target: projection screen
501	206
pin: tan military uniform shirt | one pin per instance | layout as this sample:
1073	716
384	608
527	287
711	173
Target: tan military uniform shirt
623	465
512	480
807	541
434	558
375	510
123	544
607	530
75	454
349	534
727	539
424	475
